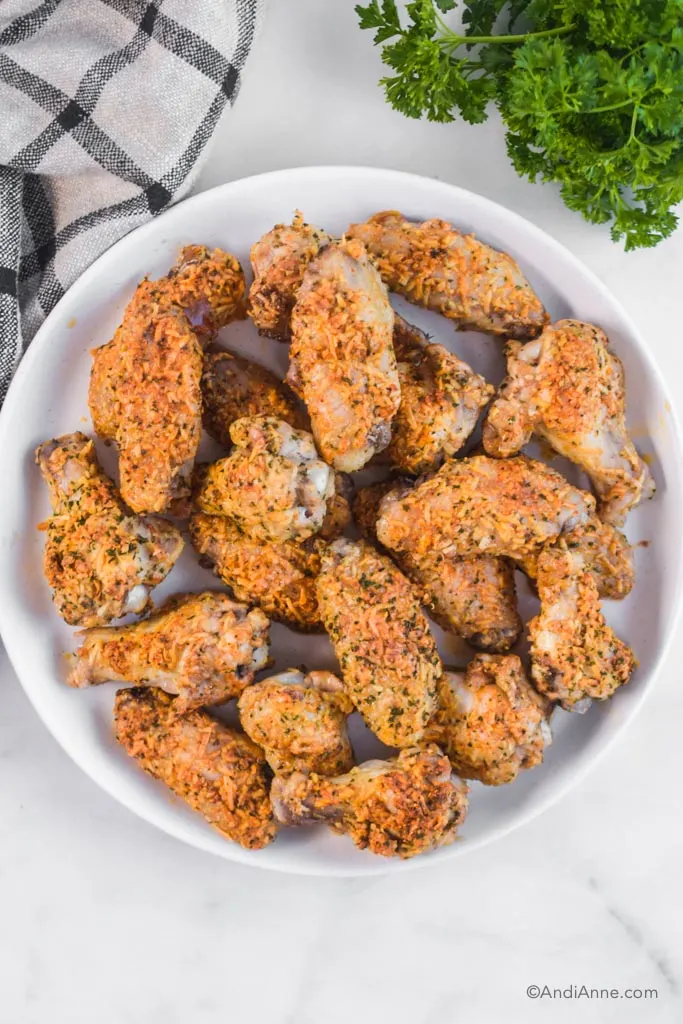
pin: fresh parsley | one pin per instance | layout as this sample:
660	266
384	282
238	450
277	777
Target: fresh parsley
590	91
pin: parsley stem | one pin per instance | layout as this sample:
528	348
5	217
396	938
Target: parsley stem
452	39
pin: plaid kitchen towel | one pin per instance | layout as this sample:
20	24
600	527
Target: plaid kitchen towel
106	108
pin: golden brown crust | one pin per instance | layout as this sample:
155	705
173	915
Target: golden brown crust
217	770
435	266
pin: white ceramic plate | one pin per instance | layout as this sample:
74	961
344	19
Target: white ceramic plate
48	397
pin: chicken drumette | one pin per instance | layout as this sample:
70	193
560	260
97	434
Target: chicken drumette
217	770
279	261
397	808
568	388
473	597
441	398
100	560
342	359
382	641
300	721
273	485
434	265
491	722
204	648
575	656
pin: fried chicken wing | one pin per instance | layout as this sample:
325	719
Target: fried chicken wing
441	398
575	656
234	387
568	388
342	359
435	266
300	721
217	770
381	638
204	648
273	485
279	261
397	808
100	560
491	722
145	395
508	508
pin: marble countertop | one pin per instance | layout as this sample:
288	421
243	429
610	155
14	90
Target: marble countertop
103	918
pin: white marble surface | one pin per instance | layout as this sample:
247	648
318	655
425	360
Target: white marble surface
104	919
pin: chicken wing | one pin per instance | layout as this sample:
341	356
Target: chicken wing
204	648
145	395
382	641
568	388
397	808
473	597
273	485
435	266
575	656
233	387
278	578
342	359
300	721
441	398
217	770
479	505
100	560
491	722
279	261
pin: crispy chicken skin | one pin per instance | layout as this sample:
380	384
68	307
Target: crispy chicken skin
278	578
100	560
342	359
217	770
568	388
145	395
479	505
441	398
300	721
203	648
279	261
491	722
382	641
397	808
234	387
575	656
607	554
473	597
273	485
437	267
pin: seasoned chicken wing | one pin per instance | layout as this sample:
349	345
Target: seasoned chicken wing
473	597
491	722
382	641
441	398
100	560
204	648
568	388
342	359
479	505
607	555
217	770
145	395
300	721
279	261
233	387
434	265
273	485
280	578
397	808
575	656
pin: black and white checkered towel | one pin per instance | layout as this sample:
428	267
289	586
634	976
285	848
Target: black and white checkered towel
106	108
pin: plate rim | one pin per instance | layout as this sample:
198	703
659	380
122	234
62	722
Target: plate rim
586	762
